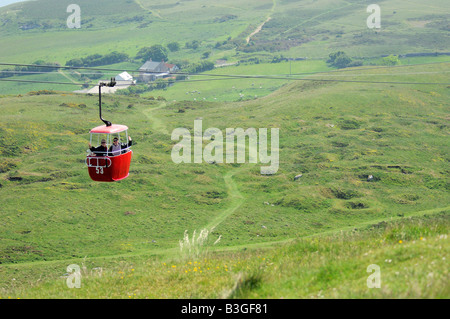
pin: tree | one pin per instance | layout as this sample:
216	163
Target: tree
342	61
278	59
114	57
173	46
339	59
75	62
200	67
96	75
98	59
192	45
156	53
181	63
390	60
195	44
206	55
160	84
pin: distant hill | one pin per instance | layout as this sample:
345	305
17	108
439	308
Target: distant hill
4	3
225	28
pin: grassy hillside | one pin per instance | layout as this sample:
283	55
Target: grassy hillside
363	177
411	255
334	134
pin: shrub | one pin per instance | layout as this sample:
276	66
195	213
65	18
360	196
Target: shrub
306	204
349	125
356	205
344	193
7	165
173	46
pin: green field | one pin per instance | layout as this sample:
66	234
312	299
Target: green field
368	145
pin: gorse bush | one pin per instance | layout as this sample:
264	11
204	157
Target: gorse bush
342	193
349	125
303	203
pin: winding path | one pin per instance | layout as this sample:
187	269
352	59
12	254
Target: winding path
156	123
156	14
258	29
235	196
237	199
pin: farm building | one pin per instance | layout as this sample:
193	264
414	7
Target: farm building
124	76
152	70
172	67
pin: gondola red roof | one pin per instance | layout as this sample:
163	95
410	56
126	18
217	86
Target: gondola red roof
103	129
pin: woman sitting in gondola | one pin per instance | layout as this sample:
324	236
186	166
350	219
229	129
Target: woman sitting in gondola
117	149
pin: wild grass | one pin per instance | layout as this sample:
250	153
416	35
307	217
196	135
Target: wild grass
411	253
198	245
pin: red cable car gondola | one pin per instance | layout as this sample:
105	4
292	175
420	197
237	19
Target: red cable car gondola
109	165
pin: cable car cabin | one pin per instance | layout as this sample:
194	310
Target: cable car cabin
113	163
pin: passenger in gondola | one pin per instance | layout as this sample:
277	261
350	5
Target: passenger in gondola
119	148
100	150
